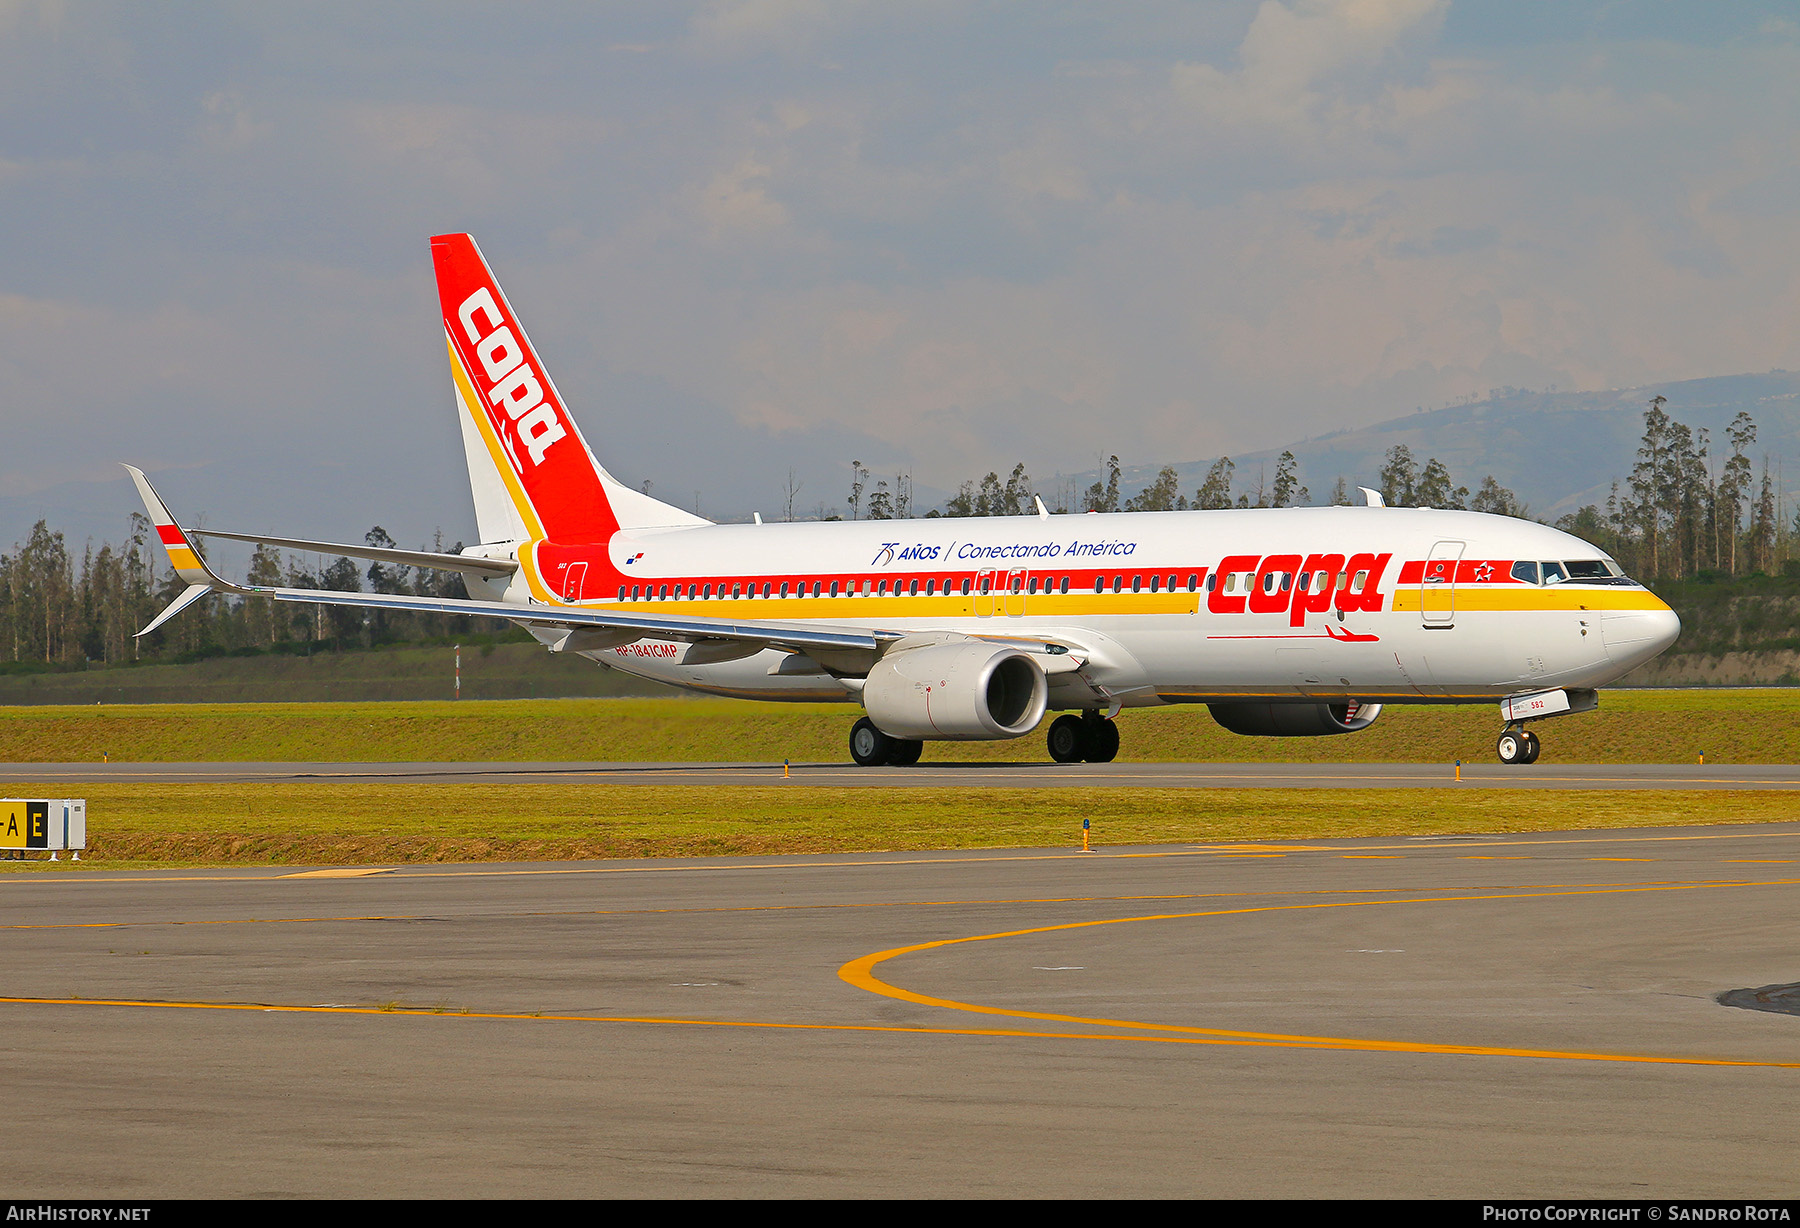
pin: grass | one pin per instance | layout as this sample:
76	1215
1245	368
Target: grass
344	823
363	824
1758	725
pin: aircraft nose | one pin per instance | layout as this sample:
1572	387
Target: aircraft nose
1635	636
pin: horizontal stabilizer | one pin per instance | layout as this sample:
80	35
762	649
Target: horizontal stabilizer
472	565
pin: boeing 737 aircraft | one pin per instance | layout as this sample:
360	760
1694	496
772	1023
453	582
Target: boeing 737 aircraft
1284	622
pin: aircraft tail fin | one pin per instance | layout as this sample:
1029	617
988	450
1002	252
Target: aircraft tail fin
531	472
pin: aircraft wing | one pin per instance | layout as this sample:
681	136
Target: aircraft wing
801	636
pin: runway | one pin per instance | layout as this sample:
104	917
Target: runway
1487	775
1496	1016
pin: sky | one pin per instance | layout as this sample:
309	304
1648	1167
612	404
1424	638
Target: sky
762	238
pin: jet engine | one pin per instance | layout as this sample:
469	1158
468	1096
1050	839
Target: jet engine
966	691
1266	720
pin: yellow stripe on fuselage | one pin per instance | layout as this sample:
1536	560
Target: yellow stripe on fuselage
888	606
1079	605
1532	599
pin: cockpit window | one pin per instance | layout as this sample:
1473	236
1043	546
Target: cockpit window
1554	573
1527	572
1588	569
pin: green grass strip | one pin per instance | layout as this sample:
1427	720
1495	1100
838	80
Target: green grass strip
334	823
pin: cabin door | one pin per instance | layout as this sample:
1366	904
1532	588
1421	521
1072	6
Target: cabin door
1437	588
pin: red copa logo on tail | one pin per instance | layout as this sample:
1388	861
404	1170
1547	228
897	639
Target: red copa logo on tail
513	395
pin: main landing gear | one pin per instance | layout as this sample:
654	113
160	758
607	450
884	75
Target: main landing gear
1517	745
1089	736
872	748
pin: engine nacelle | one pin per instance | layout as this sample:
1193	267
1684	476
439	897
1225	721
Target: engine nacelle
1266	720
965	691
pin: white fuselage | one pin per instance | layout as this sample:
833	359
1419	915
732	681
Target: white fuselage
1380	604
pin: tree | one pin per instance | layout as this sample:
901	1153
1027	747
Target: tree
1215	489
1399	477
1287	490
1104	498
1160	495
1644	508
788	493
259	612
858	475
1435	487
1016	499
1734	485
1497	500
881	503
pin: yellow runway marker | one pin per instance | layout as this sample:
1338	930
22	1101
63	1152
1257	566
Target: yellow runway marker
861	973
1246	1039
341	872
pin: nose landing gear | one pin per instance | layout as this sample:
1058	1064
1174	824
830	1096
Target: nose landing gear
1517	745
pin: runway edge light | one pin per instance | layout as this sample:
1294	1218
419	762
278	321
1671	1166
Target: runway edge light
54	825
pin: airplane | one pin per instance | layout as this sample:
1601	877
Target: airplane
1295	622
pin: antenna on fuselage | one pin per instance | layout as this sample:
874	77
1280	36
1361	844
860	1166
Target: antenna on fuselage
1373	497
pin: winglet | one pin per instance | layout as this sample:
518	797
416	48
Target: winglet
182	556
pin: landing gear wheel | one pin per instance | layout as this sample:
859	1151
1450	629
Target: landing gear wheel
1513	747
906	752
1532	746
1102	738
868	745
1068	739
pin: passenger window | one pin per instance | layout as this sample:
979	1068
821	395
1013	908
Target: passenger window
834	588
1193	581
634	592
1118	583
1099	584
915	589
1356	584
621	592
1156	584
1287	580
1137	583
1231	582
965	588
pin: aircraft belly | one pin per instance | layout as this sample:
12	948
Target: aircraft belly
751	677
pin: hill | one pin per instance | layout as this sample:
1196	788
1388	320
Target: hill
1557	451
